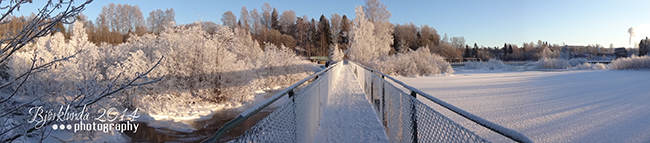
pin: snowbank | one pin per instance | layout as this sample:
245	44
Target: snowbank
633	62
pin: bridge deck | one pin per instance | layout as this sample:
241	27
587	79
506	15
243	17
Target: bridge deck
348	116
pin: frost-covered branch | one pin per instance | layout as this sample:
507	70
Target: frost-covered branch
39	26
23	82
39	68
129	84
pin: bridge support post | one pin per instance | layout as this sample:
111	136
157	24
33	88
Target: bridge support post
414	117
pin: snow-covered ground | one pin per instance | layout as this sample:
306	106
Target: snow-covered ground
549	106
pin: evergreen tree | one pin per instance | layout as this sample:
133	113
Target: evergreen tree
467	53
345	30
644	47
324	35
274	20
509	49
505	49
475	51
313	35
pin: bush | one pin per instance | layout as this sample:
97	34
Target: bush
491	64
584	66
474	65
634	62
599	66
414	63
577	61
552	63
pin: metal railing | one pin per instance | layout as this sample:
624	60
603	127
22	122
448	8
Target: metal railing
405	118
295	121
408	120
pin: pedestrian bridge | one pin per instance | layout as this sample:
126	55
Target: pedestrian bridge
348	102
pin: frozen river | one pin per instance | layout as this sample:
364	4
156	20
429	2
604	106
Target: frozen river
564	106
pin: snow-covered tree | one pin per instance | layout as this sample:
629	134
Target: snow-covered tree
378	14
335	54
362	42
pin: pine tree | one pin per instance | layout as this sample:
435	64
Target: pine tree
505	49
274	20
644	47
345	31
467	53
475	51
324	35
509	49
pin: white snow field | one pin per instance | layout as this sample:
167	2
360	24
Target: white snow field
349	116
567	106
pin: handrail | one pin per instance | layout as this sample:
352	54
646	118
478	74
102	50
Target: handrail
512	134
257	108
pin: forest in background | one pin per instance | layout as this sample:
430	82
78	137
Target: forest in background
313	36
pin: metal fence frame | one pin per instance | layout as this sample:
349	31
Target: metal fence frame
372	86
257	108
369	85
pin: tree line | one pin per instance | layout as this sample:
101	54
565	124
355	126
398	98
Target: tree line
308	36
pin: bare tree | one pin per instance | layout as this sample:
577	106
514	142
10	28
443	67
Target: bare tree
158	19
121	18
376	11
229	19
244	18
257	21
287	20
266	15
458	42
335	19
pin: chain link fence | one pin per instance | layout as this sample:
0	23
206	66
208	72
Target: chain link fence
405	118
297	120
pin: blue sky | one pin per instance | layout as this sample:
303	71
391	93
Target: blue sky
489	23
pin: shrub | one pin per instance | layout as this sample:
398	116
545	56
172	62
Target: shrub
577	61
552	63
584	66
414	63
599	66
491	64
633	62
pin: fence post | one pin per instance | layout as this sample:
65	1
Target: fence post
372	81
291	94
383	99
414	117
